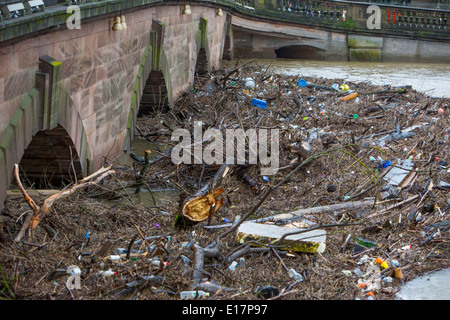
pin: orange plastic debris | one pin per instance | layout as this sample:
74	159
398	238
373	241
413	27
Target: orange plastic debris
350	96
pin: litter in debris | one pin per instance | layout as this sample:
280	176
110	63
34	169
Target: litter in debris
315	225
310	241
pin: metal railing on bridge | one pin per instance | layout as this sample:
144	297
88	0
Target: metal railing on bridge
352	14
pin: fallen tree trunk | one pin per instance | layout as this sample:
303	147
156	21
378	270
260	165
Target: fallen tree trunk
205	203
39	211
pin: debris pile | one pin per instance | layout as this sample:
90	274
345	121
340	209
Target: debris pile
357	206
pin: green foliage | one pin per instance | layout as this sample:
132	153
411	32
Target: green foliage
348	25
5	290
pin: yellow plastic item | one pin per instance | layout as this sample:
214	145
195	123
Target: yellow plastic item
344	87
384	265
350	96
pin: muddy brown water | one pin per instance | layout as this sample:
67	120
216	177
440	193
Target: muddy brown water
430	78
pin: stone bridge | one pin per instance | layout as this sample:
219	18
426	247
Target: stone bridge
69	96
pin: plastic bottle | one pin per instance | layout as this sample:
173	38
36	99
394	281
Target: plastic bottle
232	266
403	249
185	295
107	273
295	275
157	262
387	279
241	262
395	263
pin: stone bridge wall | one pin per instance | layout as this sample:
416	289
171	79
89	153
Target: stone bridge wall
89	81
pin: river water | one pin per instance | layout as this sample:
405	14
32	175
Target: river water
431	78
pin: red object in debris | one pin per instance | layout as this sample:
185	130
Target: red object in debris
388	15
440	110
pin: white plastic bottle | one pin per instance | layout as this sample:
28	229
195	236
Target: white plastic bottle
107	273
185	295
295	275
232	266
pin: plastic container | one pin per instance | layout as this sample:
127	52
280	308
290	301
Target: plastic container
302	83
259	103
398	274
385	164
249	82
186	295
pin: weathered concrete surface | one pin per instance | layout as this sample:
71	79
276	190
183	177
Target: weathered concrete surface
415	50
364	48
391	49
100	79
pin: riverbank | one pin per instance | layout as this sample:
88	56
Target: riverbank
331	151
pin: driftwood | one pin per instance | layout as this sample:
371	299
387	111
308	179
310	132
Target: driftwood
140	177
39	211
205	203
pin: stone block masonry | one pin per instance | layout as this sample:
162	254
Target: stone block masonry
99	72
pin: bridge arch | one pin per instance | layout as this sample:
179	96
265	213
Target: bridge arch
41	135
152	89
301	52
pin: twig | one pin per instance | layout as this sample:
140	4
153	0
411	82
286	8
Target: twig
40	211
